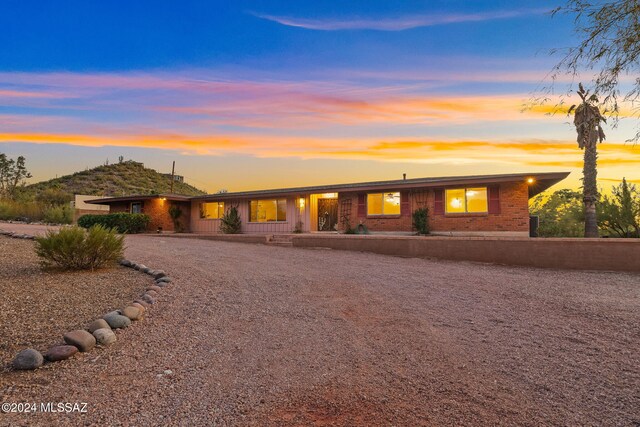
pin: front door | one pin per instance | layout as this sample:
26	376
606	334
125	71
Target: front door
327	214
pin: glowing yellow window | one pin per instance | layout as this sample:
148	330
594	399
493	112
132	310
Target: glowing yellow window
467	200
383	204
268	210
477	199
211	210
456	201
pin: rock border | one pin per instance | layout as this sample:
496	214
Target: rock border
17	235
98	332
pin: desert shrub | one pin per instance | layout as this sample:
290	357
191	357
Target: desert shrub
58	215
29	211
421	220
230	222
78	249
54	197
299	228
122	222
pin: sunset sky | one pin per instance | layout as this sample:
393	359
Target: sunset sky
249	95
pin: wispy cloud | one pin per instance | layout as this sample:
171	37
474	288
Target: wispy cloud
395	24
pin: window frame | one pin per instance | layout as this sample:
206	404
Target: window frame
219	215
392	215
466	204
276	200
131	207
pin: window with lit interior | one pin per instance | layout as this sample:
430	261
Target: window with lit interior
211	210
467	200
383	204
268	210
136	208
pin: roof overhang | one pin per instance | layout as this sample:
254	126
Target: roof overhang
135	198
537	182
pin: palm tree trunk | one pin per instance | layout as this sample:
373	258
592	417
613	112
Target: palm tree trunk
590	190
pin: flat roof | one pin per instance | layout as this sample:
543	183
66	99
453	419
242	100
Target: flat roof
542	181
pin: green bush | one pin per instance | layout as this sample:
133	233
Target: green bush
421	220
230	222
58	215
123	222
78	249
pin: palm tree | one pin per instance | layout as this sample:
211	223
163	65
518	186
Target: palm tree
587	119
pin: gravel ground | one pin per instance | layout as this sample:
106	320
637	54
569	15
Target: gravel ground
260	335
37	307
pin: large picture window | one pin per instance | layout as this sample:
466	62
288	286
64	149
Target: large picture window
466	200
383	204
211	210
268	210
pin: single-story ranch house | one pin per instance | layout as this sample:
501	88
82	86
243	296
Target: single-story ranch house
469	205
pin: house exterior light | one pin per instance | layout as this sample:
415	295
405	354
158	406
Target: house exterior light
530	180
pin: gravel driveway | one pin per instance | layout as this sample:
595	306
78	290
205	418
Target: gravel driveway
260	335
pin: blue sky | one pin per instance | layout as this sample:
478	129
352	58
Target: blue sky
322	91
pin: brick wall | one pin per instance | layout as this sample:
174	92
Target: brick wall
513	216
158	211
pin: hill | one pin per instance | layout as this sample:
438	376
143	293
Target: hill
119	179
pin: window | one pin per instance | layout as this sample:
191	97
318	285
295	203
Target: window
466	200
383	204
211	210
136	207
268	210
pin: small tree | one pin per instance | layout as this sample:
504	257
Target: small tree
620	213
13	173
175	213
421	220
561	213
230	222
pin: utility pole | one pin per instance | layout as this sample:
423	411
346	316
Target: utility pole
173	171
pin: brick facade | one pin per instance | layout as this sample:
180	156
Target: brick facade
513	216
158	211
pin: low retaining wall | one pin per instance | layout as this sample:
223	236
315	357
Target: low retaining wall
239	238
583	254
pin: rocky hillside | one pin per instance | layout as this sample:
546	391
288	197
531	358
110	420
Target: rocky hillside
119	179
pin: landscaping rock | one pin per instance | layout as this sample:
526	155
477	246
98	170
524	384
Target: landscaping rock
165	279
152	293
116	320
154	288
159	274
133	313
141	302
97	324
104	336
161	284
148	298
60	352
139	306
125	262
140	267
81	339
146	270
28	359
